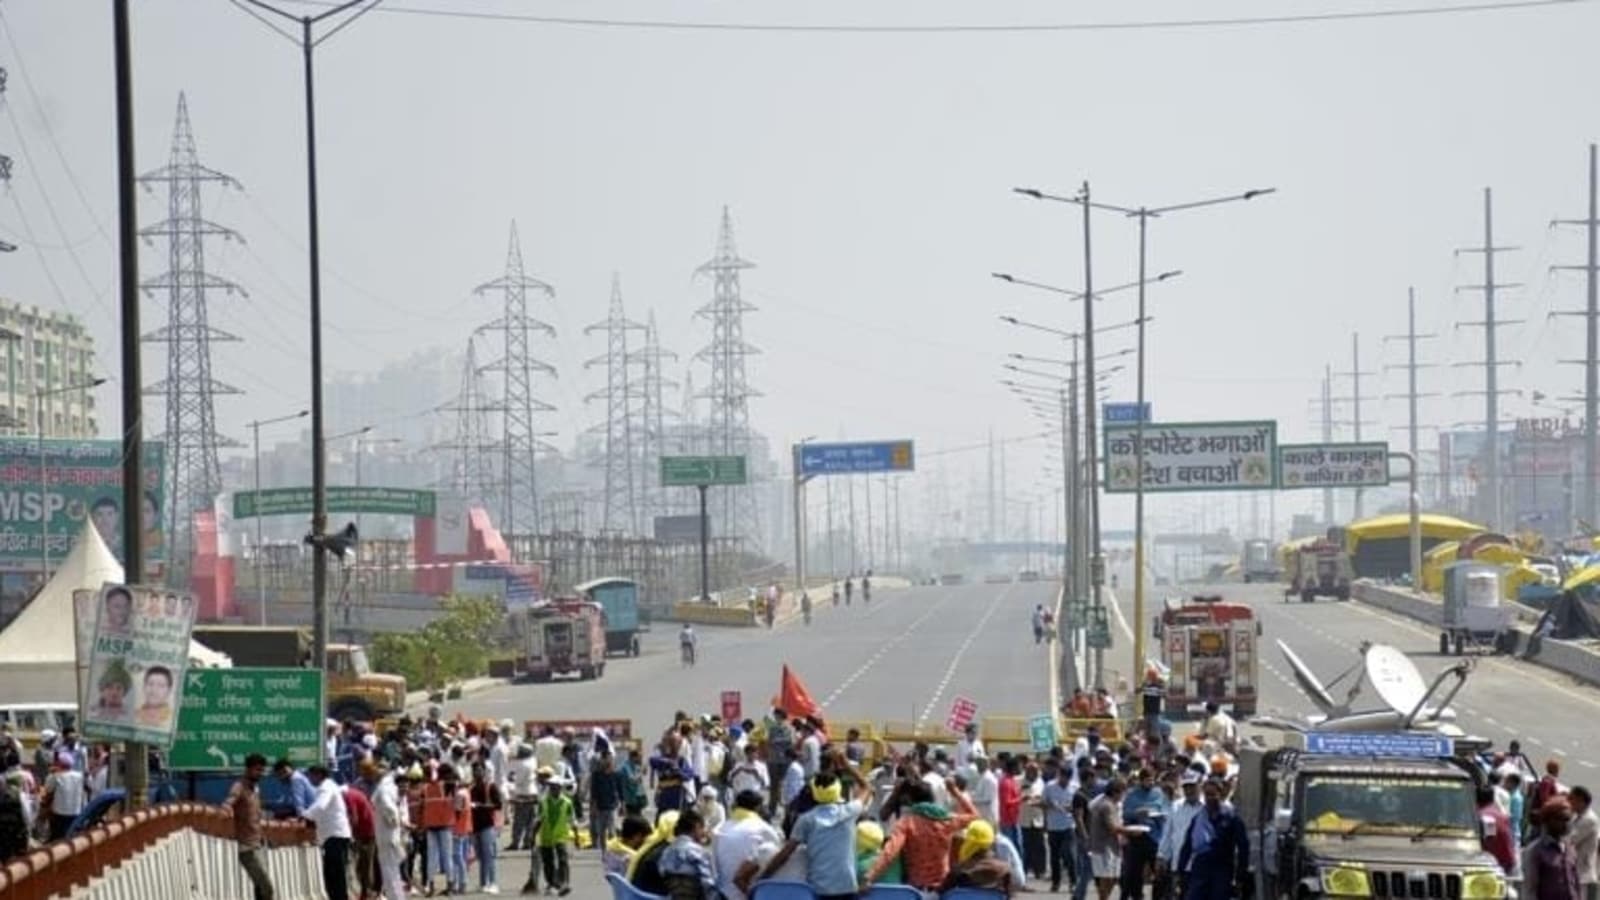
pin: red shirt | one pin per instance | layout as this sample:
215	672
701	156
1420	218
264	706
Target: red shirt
1010	802
1501	845
363	827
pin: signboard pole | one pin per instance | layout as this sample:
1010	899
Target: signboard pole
705	548
799	527
1416	518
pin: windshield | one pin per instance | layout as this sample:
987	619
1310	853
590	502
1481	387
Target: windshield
1399	805
358	661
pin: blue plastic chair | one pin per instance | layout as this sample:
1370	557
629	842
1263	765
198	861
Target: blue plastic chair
782	890
622	890
965	893
893	892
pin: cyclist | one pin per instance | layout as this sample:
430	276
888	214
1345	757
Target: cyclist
805	606
686	643
849	589
866	587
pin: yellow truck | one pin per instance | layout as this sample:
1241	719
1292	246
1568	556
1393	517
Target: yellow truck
354	690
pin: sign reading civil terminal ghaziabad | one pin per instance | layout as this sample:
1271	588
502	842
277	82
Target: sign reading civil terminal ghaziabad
48	488
1193	456
1333	465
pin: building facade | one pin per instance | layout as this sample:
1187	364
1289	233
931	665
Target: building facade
46	354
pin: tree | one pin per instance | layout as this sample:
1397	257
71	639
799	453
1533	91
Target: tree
453	647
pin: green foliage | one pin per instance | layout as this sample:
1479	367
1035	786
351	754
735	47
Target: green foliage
453	647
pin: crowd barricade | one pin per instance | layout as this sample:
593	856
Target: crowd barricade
1004	730
1111	730
171	850
707	614
908	731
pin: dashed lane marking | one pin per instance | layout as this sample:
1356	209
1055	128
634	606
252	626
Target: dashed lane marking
955	661
884	648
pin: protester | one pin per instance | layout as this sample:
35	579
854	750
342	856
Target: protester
63	795
1549	865
1585	840
486	801
392	821
685	864
327	812
244	801
363	840
922	836
828	832
1214	856
976	864
554	833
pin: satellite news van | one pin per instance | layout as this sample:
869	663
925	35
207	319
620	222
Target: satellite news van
1379	803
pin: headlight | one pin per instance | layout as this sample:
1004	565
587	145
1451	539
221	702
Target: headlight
1348	882
1482	886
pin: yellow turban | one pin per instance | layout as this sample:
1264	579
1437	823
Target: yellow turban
833	793
663	834
869	837
978	837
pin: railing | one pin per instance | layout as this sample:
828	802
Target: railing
172	850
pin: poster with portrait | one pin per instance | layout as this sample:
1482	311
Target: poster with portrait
137	663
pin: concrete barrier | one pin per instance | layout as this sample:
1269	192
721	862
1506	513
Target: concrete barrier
1566	657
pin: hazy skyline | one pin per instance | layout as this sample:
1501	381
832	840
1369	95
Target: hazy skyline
869	176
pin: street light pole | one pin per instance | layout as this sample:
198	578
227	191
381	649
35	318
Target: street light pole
799	513
255	435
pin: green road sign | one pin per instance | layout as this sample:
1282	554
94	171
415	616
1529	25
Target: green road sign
1099	630
377	501
228	713
1042	733
693	471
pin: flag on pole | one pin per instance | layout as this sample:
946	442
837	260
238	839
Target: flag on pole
795	700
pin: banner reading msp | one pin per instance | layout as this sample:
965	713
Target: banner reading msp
138	660
1333	465
1193	456
81	479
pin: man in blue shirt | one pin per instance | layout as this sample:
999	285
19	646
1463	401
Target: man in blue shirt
1216	852
828	832
1144	805
287	794
1059	827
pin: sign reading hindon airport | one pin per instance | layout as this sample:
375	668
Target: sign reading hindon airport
1193	456
1333	465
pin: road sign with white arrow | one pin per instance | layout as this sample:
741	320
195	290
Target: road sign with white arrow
229	713
857	458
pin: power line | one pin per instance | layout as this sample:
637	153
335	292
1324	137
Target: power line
970	27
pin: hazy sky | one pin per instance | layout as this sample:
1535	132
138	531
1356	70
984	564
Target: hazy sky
869	176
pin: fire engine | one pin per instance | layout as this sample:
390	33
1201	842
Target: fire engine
1208	648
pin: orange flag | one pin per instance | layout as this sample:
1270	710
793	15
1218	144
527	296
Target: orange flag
794	699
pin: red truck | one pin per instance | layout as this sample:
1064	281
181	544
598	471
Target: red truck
565	637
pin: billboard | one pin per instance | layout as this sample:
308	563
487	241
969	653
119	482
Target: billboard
1333	465
137	662
1193	456
47	489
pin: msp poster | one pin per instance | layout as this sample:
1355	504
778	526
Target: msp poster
137	663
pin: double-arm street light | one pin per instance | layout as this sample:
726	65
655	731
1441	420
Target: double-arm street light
255	434
1143	214
44	483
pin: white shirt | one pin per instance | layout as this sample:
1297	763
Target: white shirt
1032	803
328	813
1584	838
965	748
390	816
985	795
67	788
935	783
500	764
1007	851
750	776
738	841
1221	727
794	780
811	754
547	751
523	774
712	812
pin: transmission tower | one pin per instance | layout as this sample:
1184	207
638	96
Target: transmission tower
620	510
473	473
729	392
652	429
519	443
194	474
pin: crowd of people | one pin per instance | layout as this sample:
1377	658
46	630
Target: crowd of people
43	792
1541	831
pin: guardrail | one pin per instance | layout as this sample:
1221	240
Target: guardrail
172	850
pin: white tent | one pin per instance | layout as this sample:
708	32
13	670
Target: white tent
37	652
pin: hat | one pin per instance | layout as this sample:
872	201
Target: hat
546	773
978	837
869	836
1189	777
708	793
415	772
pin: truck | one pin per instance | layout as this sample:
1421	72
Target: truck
564	637
1320	569
354	690
1208	648
619	606
1258	562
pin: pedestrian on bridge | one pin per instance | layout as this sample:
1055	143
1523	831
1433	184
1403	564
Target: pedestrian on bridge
244	801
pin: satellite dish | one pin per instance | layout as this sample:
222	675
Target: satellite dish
1308	682
1395	679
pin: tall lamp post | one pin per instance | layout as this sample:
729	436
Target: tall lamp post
319	471
1143	214
255	439
44	486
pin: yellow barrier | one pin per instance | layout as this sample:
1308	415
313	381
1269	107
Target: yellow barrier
911	731
1004	730
838	728
705	614
1111	730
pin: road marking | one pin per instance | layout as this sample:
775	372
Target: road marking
955	661
885	647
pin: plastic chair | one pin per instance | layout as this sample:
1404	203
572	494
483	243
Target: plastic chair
966	893
892	892
782	890
622	890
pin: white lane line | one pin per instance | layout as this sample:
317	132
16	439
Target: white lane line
1587	765
884	648
955	661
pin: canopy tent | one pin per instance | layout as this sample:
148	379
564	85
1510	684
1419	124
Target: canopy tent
1571	617
38	656
1380	547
